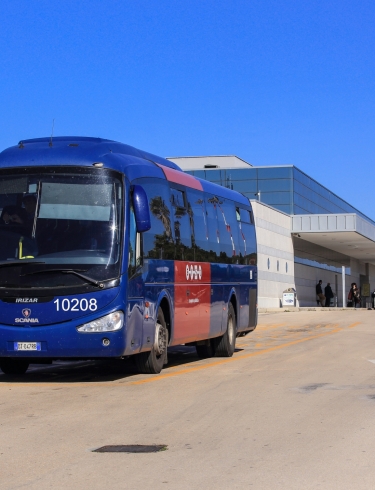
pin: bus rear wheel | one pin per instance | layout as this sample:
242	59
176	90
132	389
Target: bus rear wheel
224	346
13	366
152	362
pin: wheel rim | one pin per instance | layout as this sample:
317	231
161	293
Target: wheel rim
230	330
160	340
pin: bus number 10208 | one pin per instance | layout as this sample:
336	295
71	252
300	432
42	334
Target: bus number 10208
76	304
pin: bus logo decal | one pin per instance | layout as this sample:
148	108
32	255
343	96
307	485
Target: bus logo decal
26	312
27	300
193	272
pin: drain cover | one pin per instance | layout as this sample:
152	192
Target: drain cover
131	449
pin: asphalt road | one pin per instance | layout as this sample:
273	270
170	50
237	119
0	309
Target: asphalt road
293	409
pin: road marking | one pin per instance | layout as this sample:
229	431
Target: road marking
230	359
352	325
263	327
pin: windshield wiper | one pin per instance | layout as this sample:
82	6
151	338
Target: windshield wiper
8	263
76	272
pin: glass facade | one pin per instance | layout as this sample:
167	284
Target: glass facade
285	188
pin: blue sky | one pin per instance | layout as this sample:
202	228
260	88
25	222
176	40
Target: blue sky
273	82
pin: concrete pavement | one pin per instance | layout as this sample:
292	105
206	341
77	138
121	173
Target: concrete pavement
294	408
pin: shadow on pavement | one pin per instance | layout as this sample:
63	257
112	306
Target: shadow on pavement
96	371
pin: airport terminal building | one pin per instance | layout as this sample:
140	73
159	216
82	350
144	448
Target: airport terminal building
305	232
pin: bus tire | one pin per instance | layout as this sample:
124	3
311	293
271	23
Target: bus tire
224	346
152	362
13	366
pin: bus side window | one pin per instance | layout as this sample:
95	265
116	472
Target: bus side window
213	230
181	219
227	221
246	216
198	224
250	256
247	241
158	242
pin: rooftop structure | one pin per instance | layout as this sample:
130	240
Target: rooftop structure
221	161
283	187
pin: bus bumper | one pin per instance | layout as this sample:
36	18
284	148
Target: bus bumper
62	341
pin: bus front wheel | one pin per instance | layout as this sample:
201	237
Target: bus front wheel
13	366
152	362
224	346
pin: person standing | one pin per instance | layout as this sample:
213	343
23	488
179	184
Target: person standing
356	296
320	298
328	294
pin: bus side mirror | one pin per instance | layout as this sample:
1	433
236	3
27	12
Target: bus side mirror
141	209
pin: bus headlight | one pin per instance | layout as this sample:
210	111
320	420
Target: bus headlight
109	323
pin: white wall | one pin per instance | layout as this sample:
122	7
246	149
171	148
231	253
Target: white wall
275	244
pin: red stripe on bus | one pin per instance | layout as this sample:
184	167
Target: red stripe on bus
180	177
192	301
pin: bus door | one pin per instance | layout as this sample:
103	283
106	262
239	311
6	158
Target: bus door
248	259
135	304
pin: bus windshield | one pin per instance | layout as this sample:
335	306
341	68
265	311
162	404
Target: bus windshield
62	219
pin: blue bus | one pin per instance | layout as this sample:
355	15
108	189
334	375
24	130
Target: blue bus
107	251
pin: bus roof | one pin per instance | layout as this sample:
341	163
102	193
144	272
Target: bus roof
71	150
85	151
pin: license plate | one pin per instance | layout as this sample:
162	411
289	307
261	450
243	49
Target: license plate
27	346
